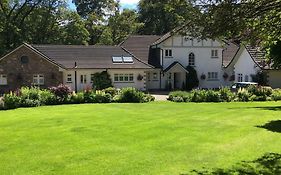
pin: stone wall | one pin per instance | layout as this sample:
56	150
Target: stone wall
21	74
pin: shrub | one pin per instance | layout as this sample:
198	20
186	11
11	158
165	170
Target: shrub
177	99
1	103
48	98
198	96
243	95
76	98
29	103
260	90
130	95
102	98
11	101
111	90
148	98
186	96
191	78
61	92
32	93
101	80
226	95
276	95
212	96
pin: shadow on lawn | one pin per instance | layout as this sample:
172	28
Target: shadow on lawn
269	164
273	126
271	108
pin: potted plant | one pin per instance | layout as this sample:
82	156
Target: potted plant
203	77
225	76
140	77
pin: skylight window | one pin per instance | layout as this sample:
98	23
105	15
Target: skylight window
125	59
117	59
128	60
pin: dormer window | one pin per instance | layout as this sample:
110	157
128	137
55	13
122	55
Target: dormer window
168	53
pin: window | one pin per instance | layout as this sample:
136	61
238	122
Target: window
92	78
83	79
69	78
38	79
168	53
155	76
246	78
123	78
214	54
117	59
120	59
128	60
148	76
24	59
191	59
212	75
3	80
240	77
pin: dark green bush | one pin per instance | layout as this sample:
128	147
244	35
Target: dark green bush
192	80
186	96
276	95
11	101
177	99
102	98
48	98
130	95
29	103
101	80
226	95
76	98
212	96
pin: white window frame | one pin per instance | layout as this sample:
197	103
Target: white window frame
191	59
212	76
69	78
214	53
124	78
83	79
38	79
247	78
3	79
168	53
240	77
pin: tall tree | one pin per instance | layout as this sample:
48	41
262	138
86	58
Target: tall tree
161	16
120	26
74	31
100	8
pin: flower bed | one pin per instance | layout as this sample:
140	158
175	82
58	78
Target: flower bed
251	93
33	97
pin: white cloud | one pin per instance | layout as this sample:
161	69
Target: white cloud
129	1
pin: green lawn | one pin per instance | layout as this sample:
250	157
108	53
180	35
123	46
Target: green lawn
155	138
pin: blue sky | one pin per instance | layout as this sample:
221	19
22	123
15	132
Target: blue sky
131	4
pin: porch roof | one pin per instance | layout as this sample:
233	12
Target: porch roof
175	64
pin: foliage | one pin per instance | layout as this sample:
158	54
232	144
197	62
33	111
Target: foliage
61	92
11	101
48	98
101	80
162	16
276	95
243	95
111	90
261	78
226	95
191	78
275	54
132	95
76	98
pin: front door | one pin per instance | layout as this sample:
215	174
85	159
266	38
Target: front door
177	82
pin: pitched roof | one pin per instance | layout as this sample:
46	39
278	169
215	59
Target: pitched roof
174	64
139	45
89	57
229	52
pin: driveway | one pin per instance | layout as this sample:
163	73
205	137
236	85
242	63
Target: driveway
160	96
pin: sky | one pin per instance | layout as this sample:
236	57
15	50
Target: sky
131	4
